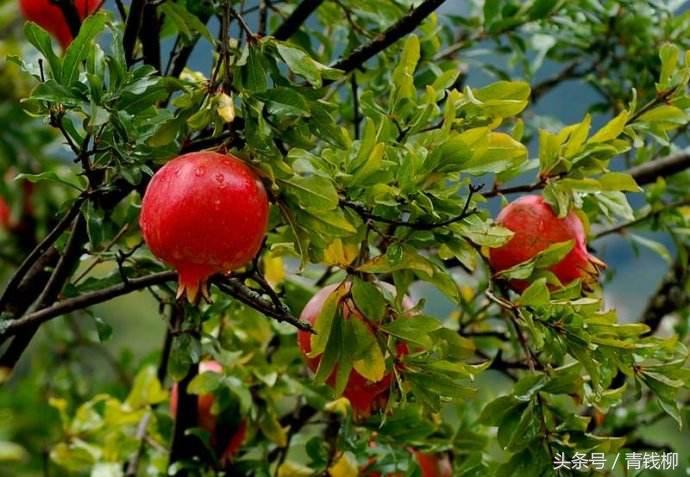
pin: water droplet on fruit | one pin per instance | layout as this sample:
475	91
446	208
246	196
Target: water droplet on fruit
178	172
220	178
200	171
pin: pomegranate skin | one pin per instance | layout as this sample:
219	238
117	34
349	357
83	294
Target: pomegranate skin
49	16
433	465
364	395
5	213
206	419
204	213
536	227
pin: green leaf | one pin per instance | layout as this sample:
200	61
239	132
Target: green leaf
41	40
369	361
618	181
612	129
415	329
304	65
654	246
537	294
205	383
669	55
504	98
324	322
105	331
146	389
368	299
79	49
313	193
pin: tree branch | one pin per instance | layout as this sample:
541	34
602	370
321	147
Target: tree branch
651	214
296	19
38	251
402	27
132	27
71	14
36	318
235	288
649	172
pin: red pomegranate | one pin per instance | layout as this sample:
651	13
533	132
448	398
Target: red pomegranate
207	420
434	465
204	213
49	16
5	213
536	227
364	395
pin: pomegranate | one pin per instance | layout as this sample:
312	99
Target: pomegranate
204	213
536	227
207	420
364	395
49	16
433	465
5	213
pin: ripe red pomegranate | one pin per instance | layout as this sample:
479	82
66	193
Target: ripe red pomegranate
364	395
536	227
49	16
5	213
204	213
208	421
434	465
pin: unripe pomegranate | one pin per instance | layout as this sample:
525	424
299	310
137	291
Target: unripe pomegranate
536	227
50	17
5	213
204	213
364	395
209	421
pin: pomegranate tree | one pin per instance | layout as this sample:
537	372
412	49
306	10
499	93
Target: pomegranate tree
209	421
364	395
536	227
49	16
204	213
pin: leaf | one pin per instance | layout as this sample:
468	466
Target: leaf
612	129
369	361
654	246
48	176
618	181
368	299
669	54
537	294
504	98
304	65
146	389
415	329
205	383
314	193
41	40
345	466
271	428
105	331
324	322
79	49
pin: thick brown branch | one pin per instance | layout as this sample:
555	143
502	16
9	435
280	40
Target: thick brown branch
404	26
39	251
71	14
132	27
649	172
84	301
296	19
